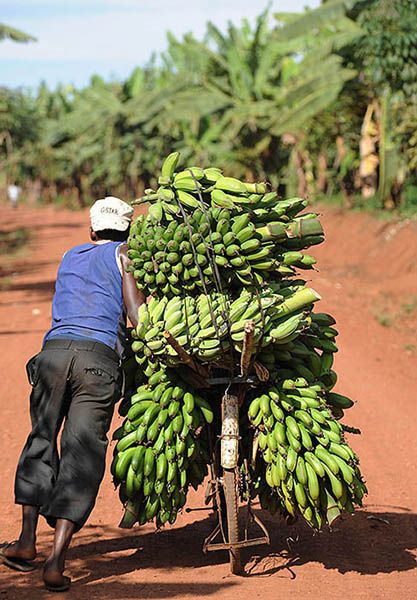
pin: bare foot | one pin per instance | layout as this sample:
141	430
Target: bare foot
53	577
20	549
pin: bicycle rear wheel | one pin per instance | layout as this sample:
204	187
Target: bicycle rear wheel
232	518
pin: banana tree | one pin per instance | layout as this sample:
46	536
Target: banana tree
10	33
261	84
387	59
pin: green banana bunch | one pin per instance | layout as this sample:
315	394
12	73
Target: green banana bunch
205	326
213	253
308	467
186	243
161	449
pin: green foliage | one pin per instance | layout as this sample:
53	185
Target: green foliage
389	50
283	100
7	32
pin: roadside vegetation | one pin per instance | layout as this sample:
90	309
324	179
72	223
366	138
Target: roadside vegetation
322	104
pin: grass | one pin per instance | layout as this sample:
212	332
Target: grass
12	244
386	313
386	320
409	307
5	282
67	201
408	210
14	240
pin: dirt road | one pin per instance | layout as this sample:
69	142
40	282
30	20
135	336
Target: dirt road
368	280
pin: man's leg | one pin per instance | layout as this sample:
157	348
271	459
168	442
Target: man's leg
38	464
25	547
94	387
55	563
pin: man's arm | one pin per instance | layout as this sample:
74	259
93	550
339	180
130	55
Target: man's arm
132	296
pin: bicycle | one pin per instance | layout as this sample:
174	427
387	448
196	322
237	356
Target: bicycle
229	481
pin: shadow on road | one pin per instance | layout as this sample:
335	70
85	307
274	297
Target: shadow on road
21	332
64	225
367	543
42	287
22	266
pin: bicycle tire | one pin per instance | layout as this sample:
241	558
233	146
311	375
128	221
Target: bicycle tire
232	518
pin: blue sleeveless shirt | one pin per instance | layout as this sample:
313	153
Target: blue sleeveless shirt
88	300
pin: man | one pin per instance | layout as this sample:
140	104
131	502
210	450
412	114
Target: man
76	380
13	193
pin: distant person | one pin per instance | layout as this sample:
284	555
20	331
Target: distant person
13	193
77	380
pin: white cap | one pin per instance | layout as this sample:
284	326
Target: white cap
110	213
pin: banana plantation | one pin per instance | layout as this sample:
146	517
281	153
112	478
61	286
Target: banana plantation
321	103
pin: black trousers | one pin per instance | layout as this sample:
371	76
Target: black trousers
77	383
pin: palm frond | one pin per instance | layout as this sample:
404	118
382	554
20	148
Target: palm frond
7	32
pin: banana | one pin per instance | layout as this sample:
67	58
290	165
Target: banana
346	470
159	444
315	463
291	459
303	416
171	470
254	408
189	402
312	482
221	199
300	494
174	319
139	407
150	414
212	174
336	484
222	227
245	237
281	466
340	451
205	408
126	441
161	467
293	441
338	400
197	172
327	459
230	184
187	184
306	440
185	198
122	463
152	431
326	360
301	471
239	224
177	423
277	412
258	255
169	164
323	319
292	427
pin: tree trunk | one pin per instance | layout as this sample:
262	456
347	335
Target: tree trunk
321	173
368	157
341	154
307	166
301	176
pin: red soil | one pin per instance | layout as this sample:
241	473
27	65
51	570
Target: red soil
368	280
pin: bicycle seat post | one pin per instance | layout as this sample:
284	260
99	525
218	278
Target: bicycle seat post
229	443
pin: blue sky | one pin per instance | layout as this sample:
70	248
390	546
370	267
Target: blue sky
77	38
